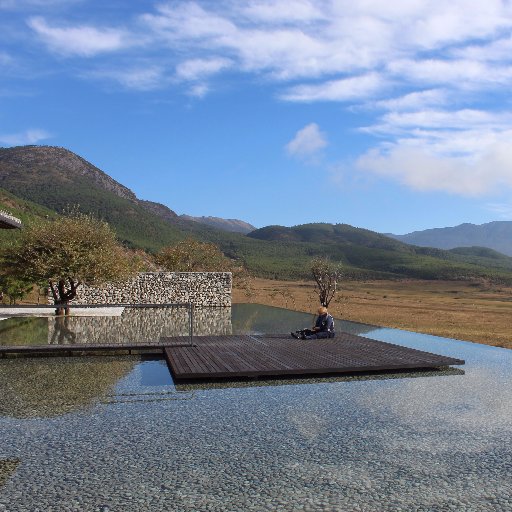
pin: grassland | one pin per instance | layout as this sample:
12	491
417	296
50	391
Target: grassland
476	312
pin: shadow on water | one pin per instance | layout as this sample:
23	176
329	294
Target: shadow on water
298	380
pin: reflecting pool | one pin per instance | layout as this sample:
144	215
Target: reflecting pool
116	434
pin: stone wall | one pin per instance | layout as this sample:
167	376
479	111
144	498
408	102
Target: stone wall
198	288
138	325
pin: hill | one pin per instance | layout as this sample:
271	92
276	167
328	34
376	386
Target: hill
232	225
57	178
494	235
41	181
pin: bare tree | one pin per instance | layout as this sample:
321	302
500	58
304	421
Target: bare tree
326	275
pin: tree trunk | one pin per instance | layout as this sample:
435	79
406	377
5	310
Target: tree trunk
63	296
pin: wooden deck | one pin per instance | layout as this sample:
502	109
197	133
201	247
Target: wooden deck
235	356
221	357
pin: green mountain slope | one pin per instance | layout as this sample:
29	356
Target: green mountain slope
40	181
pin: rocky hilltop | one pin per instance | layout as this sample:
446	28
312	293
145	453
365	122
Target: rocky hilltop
29	160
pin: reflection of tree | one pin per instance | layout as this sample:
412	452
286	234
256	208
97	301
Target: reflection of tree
55	386
7	468
24	331
62	334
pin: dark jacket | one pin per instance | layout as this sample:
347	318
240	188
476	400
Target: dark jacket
325	323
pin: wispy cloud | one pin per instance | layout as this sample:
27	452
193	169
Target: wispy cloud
417	100
502	210
427	72
5	59
307	142
31	136
82	40
358	87
18	5
195	69
142	78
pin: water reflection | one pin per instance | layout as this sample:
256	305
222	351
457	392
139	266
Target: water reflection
134	325
148	325
55	386
258	319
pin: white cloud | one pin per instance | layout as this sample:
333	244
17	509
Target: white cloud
422	166
307	142
198	90
83	40
429	72
358	87
195	69
282	11
416	100
443	120
31	136
460	74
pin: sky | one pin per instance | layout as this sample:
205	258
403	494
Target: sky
391	116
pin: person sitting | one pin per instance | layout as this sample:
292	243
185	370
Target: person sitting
323	328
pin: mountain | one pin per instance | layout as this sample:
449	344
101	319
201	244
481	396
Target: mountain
494	235
323	233
232	225
40	182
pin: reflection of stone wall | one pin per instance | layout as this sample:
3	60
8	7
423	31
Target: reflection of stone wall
199	288
141	325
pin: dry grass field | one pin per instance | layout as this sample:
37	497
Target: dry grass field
466	311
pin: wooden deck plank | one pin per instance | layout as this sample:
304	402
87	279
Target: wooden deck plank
266	355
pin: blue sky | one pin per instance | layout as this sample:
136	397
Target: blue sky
393	116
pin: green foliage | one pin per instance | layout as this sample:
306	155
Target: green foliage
78	248
193	256
14	287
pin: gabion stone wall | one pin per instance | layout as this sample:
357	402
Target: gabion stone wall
198	288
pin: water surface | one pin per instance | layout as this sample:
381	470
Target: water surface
116	434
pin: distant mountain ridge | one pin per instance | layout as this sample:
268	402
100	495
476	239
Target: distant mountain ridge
41	181
233	225
495	235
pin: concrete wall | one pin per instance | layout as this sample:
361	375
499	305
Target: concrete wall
199	288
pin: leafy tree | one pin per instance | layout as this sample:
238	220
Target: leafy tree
69	250
14	287
326	275
192	256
